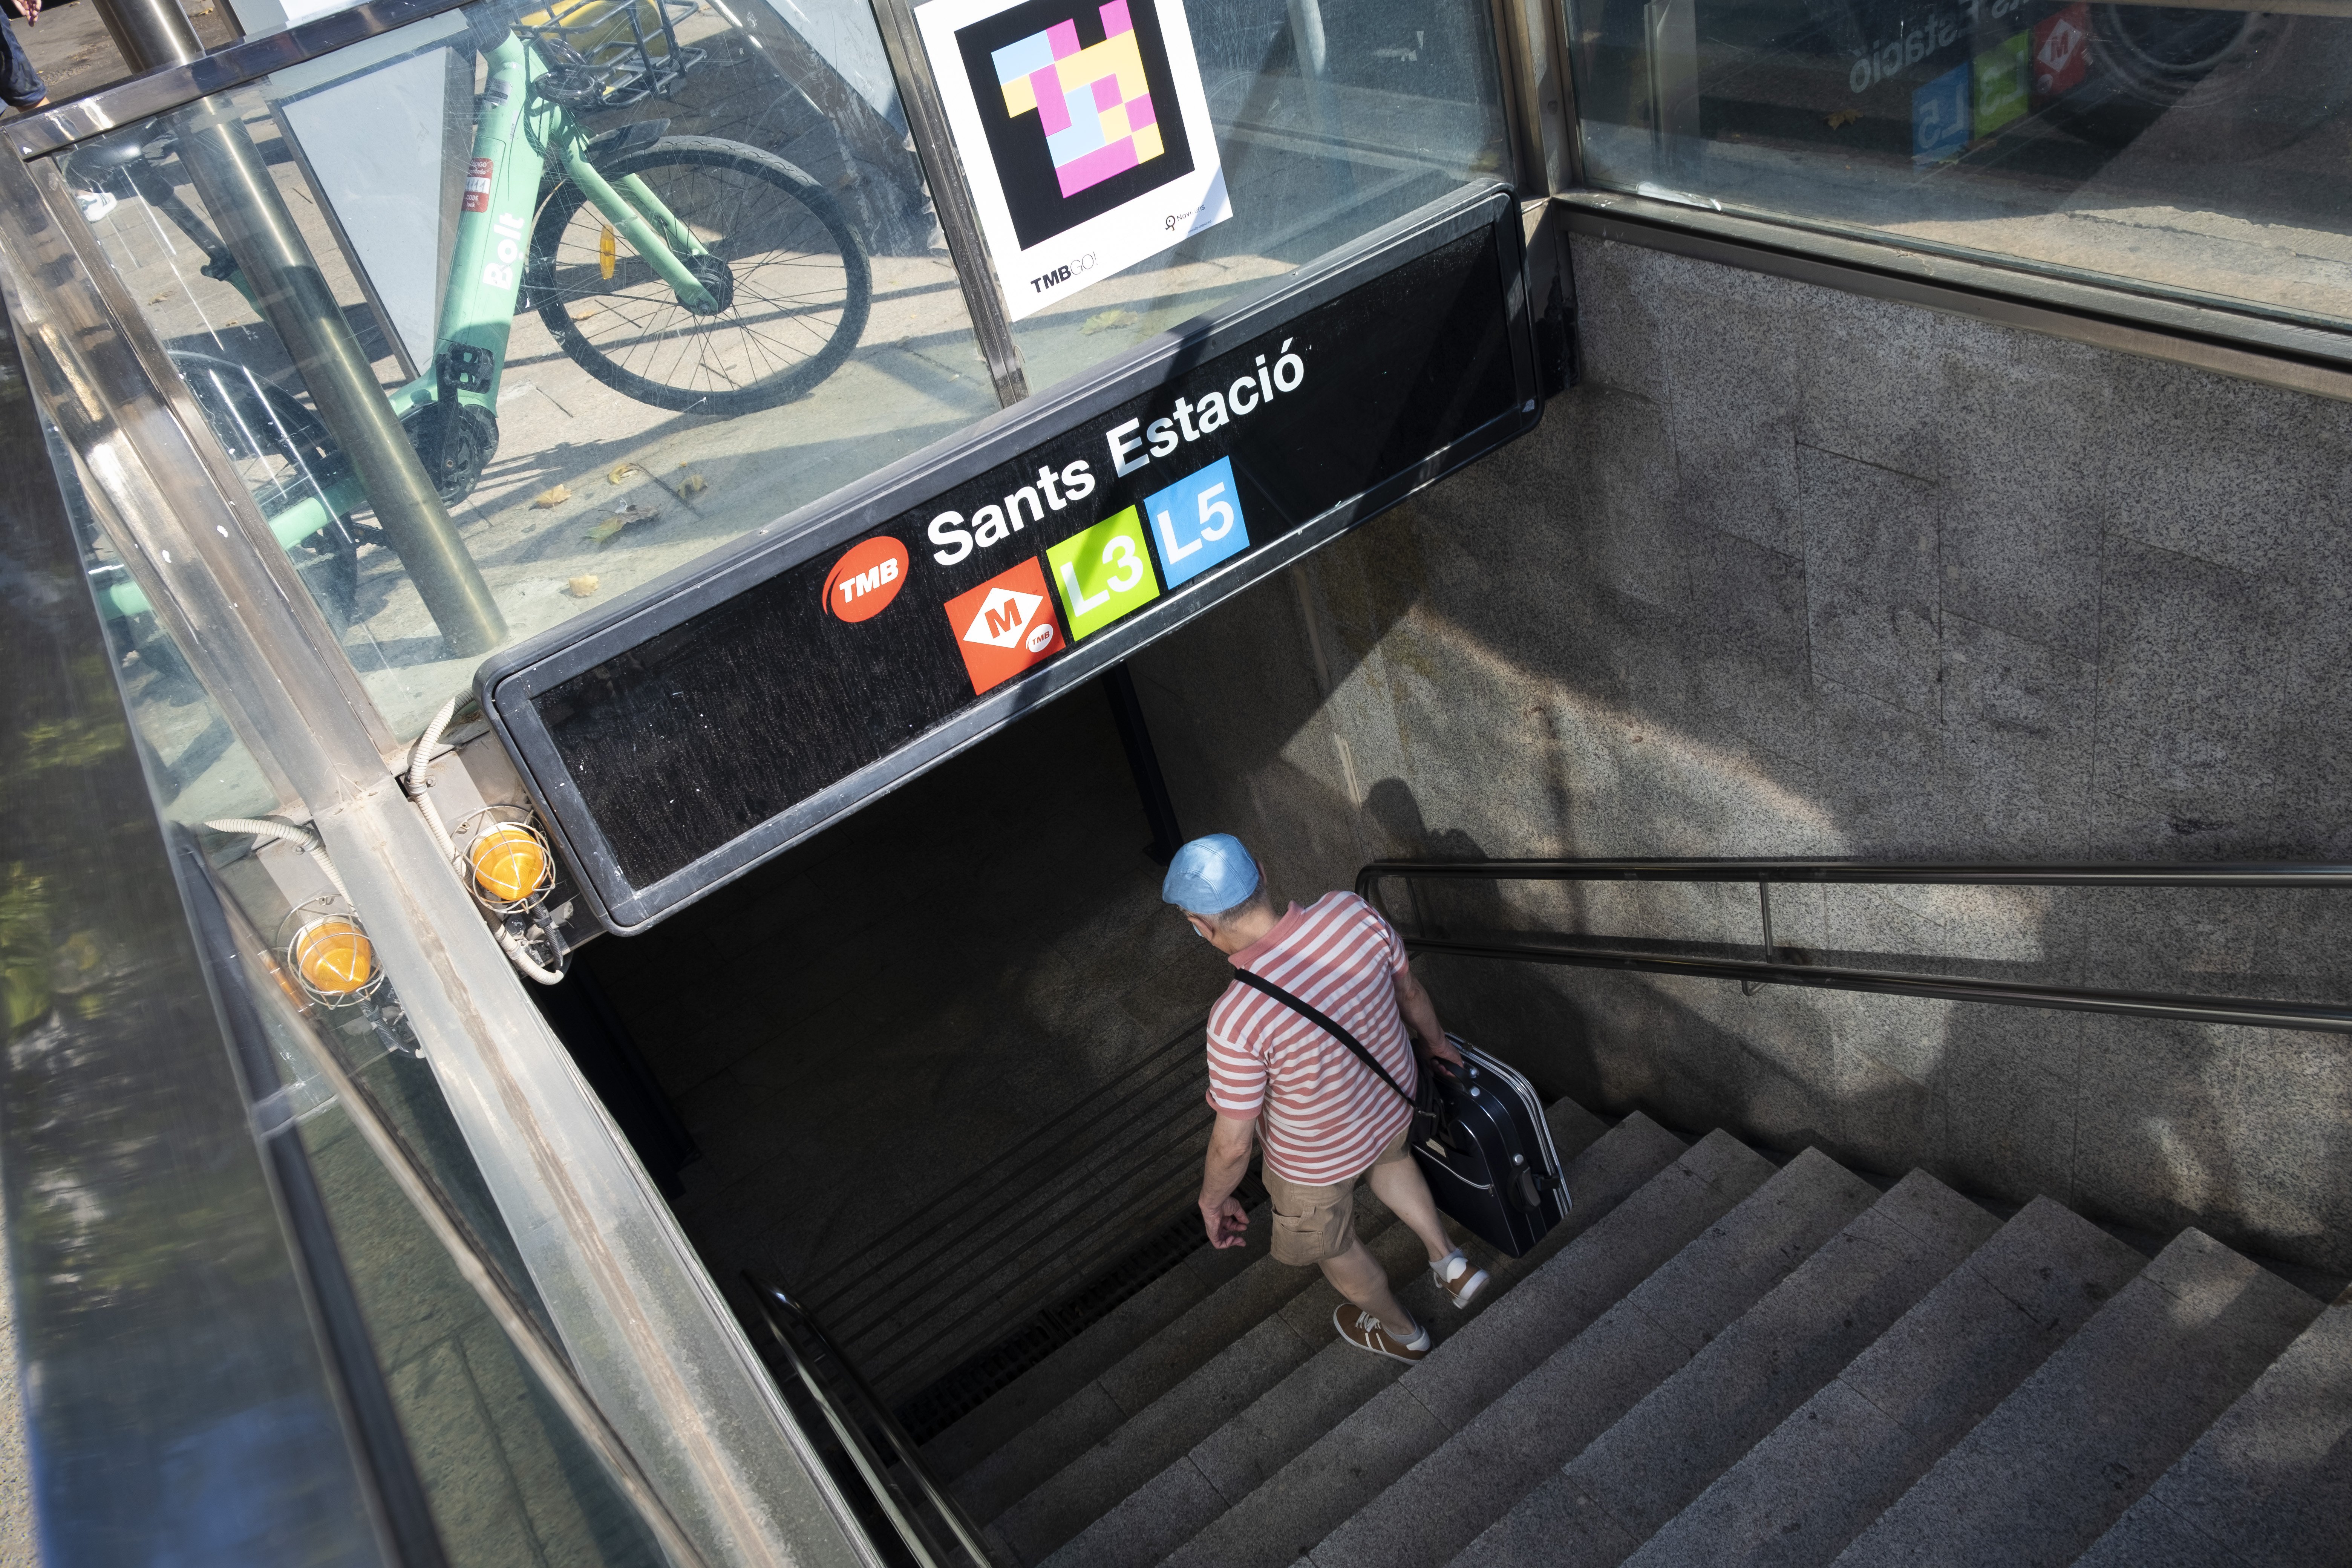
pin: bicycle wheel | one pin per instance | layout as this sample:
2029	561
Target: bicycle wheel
790	279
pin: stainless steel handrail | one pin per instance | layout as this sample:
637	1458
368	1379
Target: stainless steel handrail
2255	1011
811	1354
177	85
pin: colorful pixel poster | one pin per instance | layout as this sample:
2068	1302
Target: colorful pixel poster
1083	132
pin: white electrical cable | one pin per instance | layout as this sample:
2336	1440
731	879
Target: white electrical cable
419	776
414	782
304	838
523	961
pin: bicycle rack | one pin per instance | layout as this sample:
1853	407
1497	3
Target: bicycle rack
607	53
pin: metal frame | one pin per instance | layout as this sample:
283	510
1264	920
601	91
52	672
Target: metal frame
176	86
640	1318
2209	335
808	1347
927	123
1772	970
508	682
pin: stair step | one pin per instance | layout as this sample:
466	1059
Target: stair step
1836	1464
1207	1329
1260	1420
1633	1478
1579	1390
1220	1391
2058	1462
1071	1367
2270	1483
1675	1194
1034	1435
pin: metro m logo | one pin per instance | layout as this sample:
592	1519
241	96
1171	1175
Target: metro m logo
1004	625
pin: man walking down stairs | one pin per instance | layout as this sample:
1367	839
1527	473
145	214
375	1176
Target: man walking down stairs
1325	1119
1718	1359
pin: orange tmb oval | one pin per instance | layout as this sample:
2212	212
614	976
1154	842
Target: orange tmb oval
863	583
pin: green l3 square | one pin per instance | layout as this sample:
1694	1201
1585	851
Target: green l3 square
1104	573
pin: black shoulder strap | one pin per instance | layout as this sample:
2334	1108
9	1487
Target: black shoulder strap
1260	983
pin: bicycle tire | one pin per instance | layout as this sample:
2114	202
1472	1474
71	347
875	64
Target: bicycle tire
652	347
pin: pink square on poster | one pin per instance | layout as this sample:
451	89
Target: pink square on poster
1106	92
1138	111
1096	166
1064	37
1052	108
1116	20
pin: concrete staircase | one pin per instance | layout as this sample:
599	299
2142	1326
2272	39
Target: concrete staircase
1718	1360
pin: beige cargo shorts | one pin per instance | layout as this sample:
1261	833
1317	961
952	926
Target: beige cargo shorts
1311	1223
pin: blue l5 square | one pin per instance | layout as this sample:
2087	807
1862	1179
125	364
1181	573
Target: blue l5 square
1940	117
1196	521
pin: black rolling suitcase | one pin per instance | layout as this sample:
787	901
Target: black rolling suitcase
1485	1150
1478	1134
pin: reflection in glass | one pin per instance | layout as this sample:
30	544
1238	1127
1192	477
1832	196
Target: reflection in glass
507	1478
636	275
2199	150
1330	121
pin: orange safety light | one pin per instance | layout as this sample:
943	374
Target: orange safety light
510	864
334	957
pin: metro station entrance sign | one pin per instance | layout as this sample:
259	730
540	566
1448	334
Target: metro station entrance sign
746	701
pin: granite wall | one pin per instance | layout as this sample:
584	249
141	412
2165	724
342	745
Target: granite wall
1795	572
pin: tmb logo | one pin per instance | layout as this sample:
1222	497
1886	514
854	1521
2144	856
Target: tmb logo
1004	625
863	583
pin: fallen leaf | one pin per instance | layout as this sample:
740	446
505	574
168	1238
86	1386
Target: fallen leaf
555	496
692	485
1109	321
161	298
620	474
581	313
582	586
607	531
1844	117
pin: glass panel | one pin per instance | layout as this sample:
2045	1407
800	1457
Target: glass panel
507	1478
636	278
2197	150
176	1404
1330	121
197	766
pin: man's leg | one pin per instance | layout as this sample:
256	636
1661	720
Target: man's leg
1399	1184
1358	1275
20	84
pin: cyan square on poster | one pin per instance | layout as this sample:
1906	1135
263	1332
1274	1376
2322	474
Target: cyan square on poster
1196	521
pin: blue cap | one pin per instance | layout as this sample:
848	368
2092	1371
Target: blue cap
1210	876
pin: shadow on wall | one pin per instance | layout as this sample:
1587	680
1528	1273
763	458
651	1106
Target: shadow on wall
1478	659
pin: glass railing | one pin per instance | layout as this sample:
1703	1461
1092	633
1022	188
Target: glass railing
510	310
2194	152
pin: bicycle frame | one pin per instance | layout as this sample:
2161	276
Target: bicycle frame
516	133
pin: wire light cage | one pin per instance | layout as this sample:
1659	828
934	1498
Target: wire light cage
608	54
505	861
328	954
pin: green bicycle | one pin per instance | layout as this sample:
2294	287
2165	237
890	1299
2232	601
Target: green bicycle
691	273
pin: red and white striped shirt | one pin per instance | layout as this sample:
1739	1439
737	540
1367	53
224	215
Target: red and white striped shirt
1323	1116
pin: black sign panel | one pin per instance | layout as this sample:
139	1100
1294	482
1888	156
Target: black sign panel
740	704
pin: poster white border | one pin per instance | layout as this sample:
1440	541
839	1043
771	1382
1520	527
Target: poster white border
1034	279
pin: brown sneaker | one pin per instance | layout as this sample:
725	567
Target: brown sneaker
1366	1332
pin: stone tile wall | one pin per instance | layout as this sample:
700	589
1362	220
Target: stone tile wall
1796	571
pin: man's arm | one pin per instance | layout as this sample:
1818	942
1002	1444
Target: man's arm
1229	1150
1421	1018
